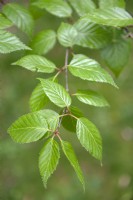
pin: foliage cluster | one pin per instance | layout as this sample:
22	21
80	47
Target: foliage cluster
102	27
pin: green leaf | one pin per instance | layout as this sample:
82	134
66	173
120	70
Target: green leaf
43	42
10	43
4	22
88	69
36	63
51	117
83	7
56	7
48	159
35	11
116	54
89	137
28	128
20	16
91	98
38	99
91	35
68	122
116	17
67	35
111	3
56	93
70	154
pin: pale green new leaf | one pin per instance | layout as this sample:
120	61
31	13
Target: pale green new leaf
88	69
48	159
20	16
43	42
4	22
116	54
36	63
83	7
116	17
10	43
67	35
28	128
91	98
70	154
58	8
111	3
91	34
38	99
89	137
51	117
56	93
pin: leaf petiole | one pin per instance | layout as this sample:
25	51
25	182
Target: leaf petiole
56	75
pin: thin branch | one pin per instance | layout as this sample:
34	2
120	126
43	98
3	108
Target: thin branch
60	120
66	84
66	69
56	134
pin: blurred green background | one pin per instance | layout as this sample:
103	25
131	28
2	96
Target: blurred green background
19	173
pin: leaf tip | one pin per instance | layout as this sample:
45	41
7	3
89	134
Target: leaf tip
116	86
40	79
14	63
84	187
8	130
44	183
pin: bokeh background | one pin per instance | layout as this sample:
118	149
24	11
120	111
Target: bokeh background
19	173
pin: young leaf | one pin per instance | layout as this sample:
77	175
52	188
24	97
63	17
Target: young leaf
91	98
36	63
67	35
51	117
56	7
48	159
4	22
69	122
91	35
110	17
10	43
116	54
56	93
112	3
70	154
38	99
89	137
28	128
43	42
83	7
88	69
20	16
